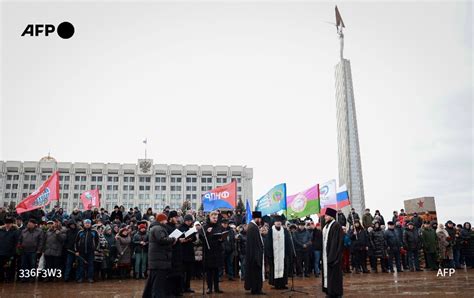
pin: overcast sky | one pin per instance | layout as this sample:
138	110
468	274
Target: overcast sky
249	83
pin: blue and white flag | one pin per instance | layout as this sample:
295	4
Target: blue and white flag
273	201
327	194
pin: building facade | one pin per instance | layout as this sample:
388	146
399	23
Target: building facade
141	185
349	162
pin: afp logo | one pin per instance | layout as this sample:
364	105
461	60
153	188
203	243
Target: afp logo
65	30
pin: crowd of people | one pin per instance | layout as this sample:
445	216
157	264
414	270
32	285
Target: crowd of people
96	245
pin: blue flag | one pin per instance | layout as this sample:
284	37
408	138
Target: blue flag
273	201
248	213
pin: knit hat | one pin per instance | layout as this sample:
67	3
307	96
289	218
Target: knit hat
188	217
8	220
141	226
87	221
173	213
161	216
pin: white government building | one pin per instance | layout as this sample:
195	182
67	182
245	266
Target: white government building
141	184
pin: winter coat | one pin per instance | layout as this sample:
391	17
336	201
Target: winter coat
317	240
160	247
392	239
70	241
137	238
341	219
87	241
411	240
302	237
367	220
359	240
76	216
8	241
417	221
443	245
99	252
32	240
429	240
467	247
187	247
214	258
377	243
123	249
115	215
351	217
241	243
54	242
229	242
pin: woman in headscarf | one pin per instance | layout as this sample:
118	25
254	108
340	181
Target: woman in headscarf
123	241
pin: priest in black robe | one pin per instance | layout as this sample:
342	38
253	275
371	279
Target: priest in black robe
279	252
333	245
254	256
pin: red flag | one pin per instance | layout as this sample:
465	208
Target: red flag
41	197
90	198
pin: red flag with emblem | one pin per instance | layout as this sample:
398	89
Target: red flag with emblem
47	192
90	198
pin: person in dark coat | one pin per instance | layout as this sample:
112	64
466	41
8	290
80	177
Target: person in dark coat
411	241
429	242
86	243
467	247
379	217
317	242
229	249
173	283
159	258
116	214
341	218
254	256
359	247
333	245
140	241
393	247
417	221
8	240
379	246
214	253
69	244
31	242
188	253
53	246
279	251
352	216
302	241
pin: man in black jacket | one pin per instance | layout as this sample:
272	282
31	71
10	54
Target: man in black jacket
69	245
317	242
175	276
188	253
86	243
393	244
229	244
8	240
411	241
351	217
341	218
159	258
116	214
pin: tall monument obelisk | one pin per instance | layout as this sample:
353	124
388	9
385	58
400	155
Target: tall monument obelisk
350	169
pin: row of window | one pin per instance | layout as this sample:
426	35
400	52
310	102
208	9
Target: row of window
83	178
